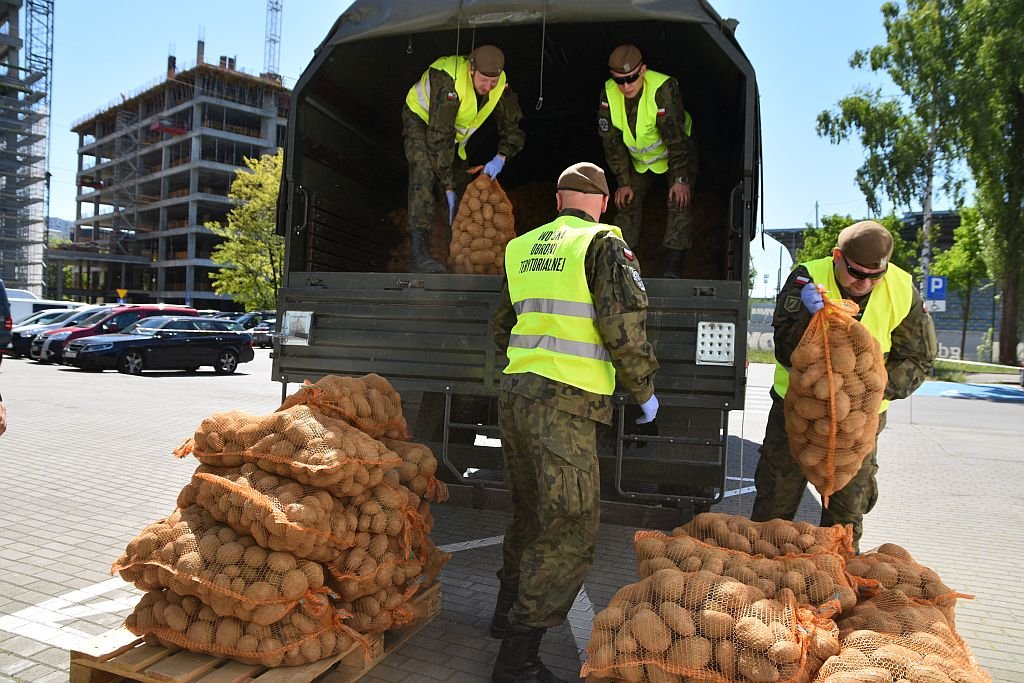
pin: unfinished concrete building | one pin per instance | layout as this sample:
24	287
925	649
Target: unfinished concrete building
26	55
153	168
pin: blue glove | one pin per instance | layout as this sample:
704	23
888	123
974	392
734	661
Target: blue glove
450	194
494	166
811	298
650	408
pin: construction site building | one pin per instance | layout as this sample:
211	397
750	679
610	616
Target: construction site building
153	169
26	55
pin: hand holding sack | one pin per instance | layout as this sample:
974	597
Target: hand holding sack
835	391
482	227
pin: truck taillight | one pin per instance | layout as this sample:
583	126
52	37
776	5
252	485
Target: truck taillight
8	323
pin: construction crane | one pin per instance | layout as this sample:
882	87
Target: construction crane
271	52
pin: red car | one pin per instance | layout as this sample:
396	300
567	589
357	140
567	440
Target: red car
49	346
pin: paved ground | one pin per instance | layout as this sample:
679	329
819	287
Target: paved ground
87	463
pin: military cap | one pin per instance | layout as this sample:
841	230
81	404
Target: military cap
583	177
866	243
488	60
625	58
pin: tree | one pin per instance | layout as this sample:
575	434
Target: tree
819	242
252	254
990	95
964	264
909	140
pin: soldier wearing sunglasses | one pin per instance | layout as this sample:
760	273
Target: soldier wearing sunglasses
645	131
893	311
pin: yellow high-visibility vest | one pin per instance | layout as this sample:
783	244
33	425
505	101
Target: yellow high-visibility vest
887	306
646	149
468	119
555	334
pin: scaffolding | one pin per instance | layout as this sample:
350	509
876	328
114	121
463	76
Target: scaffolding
24	140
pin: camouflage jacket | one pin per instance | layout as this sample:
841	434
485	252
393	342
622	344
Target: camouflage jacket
620	299
914	344
441	127
682	158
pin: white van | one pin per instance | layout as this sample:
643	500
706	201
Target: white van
24	303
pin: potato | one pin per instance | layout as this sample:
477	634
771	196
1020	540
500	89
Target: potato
650	631
714	624
756	667
692	653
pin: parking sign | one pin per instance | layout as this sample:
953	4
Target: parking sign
936	290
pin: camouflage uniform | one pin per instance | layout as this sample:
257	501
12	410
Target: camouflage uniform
682	162
779	481
549	445
431	150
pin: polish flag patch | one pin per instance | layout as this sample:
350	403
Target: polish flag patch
604	105
801	280
661	112
628	254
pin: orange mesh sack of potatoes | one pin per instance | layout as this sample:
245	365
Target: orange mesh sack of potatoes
891	567
817	580
891	638
311	632
482	227
417	469
835	391
298	443
680	626
771	539
191	553
279	513
368	403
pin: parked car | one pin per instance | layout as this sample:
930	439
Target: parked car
165	343
23	335
263	334
250	319
49	346
6	321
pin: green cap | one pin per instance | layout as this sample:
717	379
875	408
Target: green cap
488	60
866	243
625	58
583	177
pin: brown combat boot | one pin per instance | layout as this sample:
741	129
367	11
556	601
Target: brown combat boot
519	658
674	260
420	260
508	593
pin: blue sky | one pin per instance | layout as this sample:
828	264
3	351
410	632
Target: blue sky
799	49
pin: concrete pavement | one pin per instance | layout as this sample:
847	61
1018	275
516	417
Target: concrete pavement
87	463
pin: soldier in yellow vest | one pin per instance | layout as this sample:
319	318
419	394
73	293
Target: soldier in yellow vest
893	311
573	324
646	131
453	98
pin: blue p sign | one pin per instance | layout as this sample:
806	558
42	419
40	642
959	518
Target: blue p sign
936	287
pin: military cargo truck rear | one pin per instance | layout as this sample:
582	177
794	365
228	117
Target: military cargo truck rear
344	191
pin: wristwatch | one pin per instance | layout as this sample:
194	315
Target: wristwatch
683	180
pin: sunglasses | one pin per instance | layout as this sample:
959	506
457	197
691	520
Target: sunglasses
625	80
859	274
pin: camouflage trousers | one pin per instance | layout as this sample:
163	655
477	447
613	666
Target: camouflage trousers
551	470
780	483
678	229
423	180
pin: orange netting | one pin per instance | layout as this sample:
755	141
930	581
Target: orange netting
311	632
835	391
817	580
191	553
771	539
680	626
297	442
482	227
892	637
368	403
416	471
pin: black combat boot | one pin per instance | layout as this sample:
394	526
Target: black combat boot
519	658
420	260
674	259
508	593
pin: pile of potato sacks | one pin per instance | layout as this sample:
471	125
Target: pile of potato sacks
835	391
299	533
707	608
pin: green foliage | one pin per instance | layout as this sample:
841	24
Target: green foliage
252	254
819	242
964	264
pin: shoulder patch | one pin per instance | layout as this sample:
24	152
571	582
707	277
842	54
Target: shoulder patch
452	96
637	279
629	254
791	304
604	105
801	280
661	111
602	123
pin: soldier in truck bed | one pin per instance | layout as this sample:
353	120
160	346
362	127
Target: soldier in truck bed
645	131
452	99
893	311
572	320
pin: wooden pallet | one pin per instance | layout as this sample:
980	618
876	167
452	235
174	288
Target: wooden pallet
120	655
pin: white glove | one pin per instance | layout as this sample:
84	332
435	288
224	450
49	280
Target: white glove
650	408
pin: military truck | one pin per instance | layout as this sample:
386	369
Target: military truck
343	312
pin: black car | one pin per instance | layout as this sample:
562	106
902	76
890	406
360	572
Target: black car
249	320
165	343
263	334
